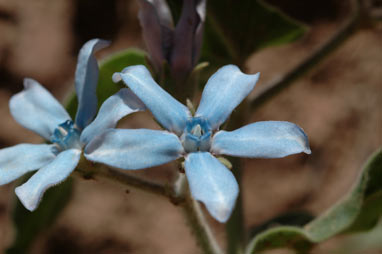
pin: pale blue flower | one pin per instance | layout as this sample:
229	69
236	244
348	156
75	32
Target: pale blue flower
197	138
36	109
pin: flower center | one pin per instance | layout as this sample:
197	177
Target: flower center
197	135
66	136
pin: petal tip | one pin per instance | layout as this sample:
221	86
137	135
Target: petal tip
97	44
116	77
26	199
222	213
305	141
138	69
28	82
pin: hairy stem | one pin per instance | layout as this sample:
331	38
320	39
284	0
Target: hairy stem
90	170
319	54
179	194
235	229
199	226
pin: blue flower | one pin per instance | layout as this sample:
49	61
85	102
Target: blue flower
36	109
197	138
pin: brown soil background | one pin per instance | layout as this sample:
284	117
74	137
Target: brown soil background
338	103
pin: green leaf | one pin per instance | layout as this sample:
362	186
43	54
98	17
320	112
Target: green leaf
106	87
235	30
28	224
359	210
291	218
362	243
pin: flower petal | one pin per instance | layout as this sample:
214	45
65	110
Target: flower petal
134	149
169	112
223	92
212	183
17	160
269	139
86	79
31	192
36	109
112	110
156	22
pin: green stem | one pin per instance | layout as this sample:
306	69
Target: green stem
225	40
90	170
199	226
178	194
347	29
235	226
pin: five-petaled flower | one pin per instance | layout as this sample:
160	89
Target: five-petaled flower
197	138
36	109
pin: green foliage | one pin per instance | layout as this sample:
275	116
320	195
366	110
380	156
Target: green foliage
362	243
236	30
359	210
29	224
106	87
291	218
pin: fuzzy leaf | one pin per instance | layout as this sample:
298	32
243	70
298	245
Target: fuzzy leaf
359	210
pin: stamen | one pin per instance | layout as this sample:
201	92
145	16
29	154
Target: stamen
197	135
197	131
66	136
62	131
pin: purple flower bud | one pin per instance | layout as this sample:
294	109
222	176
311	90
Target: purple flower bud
179	46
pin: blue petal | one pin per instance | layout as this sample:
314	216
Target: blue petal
223	92
36	109
212	183
86	79
112	110
17	160
169	112
134	149
269	139
31	192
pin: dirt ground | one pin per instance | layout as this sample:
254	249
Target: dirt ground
338	104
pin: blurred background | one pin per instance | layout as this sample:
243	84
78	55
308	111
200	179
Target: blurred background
338	103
